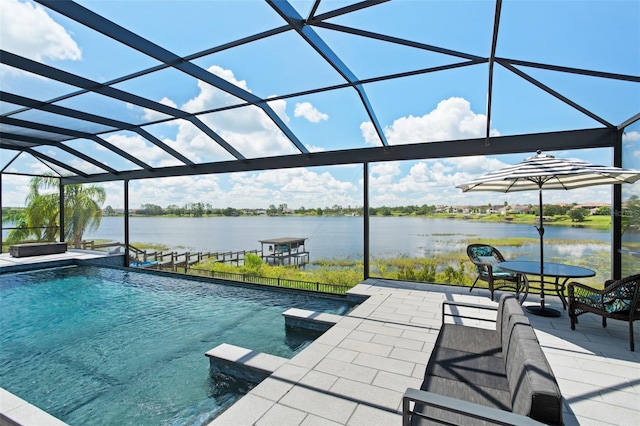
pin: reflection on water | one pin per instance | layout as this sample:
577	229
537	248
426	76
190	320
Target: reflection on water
580	250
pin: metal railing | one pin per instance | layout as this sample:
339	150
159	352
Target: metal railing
181	263
272	281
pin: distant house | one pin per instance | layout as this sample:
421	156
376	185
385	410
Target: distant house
591	207
520	209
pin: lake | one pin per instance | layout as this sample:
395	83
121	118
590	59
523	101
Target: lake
342	237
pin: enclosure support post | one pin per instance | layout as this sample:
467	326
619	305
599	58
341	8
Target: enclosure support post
616	214
61	201
1	217
126	222
366	218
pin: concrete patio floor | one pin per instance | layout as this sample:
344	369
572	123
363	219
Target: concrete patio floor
357	372
7	261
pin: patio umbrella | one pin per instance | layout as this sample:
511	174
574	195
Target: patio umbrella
551	173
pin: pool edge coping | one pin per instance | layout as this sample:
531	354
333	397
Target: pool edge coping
16	411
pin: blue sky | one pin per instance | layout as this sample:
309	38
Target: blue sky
595	35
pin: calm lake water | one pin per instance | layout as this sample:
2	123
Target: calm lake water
342	237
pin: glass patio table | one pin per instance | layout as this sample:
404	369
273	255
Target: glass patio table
561	273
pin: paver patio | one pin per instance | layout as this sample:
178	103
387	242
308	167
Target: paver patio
357	372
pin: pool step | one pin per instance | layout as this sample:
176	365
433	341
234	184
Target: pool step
243	363
309	320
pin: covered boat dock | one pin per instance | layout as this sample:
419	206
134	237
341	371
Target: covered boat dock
285	251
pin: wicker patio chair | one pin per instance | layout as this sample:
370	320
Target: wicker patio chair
486	259
618	300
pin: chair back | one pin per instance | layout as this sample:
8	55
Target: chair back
477	252
624	295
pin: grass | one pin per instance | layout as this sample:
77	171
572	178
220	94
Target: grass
593	221
450	267
150	246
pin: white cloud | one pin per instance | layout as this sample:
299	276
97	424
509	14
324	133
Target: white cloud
115	194
28	29
433	182
14	189
141	149
178	190
152	115
295	187
631	136
474	166
384	173
308	111
631	145
369	133
248	129
85	166
452	119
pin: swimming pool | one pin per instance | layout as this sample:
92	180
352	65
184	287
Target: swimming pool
94	345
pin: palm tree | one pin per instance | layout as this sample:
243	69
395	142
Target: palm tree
82	207
18	220
43	210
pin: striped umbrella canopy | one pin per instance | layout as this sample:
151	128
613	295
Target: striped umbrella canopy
551	173
546	171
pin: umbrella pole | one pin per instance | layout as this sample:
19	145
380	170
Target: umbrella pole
542	310
541	233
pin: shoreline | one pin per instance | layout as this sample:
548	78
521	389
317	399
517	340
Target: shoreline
602	223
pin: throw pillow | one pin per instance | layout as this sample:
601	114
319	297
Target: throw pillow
491	261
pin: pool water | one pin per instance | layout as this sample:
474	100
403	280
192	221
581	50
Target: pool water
102	346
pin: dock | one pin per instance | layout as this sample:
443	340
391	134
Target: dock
289	251
285	251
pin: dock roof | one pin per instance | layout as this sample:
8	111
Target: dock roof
284	240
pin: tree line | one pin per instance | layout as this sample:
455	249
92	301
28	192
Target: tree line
206	209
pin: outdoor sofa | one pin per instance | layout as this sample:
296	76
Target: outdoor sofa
37	249
486	376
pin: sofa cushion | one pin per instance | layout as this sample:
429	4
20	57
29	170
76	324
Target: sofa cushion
469	392
507	307
469	339
520	322
487	370
534	390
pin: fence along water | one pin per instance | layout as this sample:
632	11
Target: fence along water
183	263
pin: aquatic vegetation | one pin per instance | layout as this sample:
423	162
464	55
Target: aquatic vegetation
502	242
151	246
336	263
